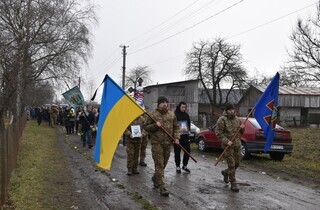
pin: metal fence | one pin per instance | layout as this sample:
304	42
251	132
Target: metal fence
9	148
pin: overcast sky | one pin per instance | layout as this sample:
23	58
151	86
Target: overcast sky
160	32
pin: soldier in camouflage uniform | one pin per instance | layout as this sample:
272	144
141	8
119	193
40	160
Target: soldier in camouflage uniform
227	125
160	141
133	146
53	113
143	147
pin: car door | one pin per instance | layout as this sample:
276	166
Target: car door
215	142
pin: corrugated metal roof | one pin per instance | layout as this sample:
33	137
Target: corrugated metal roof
173	83
294	90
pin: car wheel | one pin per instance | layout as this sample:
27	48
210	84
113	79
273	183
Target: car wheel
244	151
202	145
278	156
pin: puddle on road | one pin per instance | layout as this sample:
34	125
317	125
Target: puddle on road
207	189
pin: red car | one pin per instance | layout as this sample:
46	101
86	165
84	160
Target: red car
252	140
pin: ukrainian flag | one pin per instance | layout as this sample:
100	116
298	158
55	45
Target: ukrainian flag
117	111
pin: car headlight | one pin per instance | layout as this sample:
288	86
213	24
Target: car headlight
197	130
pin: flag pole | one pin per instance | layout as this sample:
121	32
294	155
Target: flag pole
233	138
173	138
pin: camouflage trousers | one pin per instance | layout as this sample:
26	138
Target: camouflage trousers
53	120
133	148
143	149
160	155
233	157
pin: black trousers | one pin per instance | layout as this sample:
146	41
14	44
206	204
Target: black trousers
185	143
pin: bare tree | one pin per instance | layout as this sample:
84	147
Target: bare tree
215	63
90	87
40	93
133	76
304	63
42	40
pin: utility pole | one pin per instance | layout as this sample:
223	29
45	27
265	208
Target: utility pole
124	53
79	82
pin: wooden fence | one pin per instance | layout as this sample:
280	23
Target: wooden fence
9	148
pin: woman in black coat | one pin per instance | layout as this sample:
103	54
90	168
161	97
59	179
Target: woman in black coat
184	122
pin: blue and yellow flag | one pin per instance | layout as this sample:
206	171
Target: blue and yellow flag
117	111
265	111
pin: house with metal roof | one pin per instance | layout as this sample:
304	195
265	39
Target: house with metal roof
296	106
187	91
190	91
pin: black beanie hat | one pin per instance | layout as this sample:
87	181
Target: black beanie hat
162	99
228	106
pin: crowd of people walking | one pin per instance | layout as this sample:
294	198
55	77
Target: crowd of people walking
80	121
162	127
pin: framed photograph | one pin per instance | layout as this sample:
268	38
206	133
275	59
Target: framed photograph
136	131
183	127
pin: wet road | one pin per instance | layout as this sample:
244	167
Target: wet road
204	188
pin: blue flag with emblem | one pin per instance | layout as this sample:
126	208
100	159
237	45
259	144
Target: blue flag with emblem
265	111
74	97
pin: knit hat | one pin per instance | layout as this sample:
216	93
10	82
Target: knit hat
228	106
162	99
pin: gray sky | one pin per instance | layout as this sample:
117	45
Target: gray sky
160	32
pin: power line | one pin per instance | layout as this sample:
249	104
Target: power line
162	22
249	30
105	61
176	23
158	42
109	57
166	60
163	30
173	25
109	66
271	21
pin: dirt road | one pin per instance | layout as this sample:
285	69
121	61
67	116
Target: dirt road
202	189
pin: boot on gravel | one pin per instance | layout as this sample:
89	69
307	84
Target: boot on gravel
164	192
225	176
234	187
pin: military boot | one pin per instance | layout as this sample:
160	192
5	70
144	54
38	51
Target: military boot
135	172
164	192
234	187
142	163
154	182
225	176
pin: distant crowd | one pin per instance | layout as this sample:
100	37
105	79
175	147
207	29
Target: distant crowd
81	120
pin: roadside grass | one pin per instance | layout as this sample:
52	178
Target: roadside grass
40	180
304	162
305	158
6	122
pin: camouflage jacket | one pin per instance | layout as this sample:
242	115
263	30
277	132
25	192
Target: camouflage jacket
138	121
168	121
226	127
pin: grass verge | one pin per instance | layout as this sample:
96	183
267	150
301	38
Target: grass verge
35	183
304	162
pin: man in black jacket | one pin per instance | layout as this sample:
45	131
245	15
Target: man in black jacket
184	122
87	122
